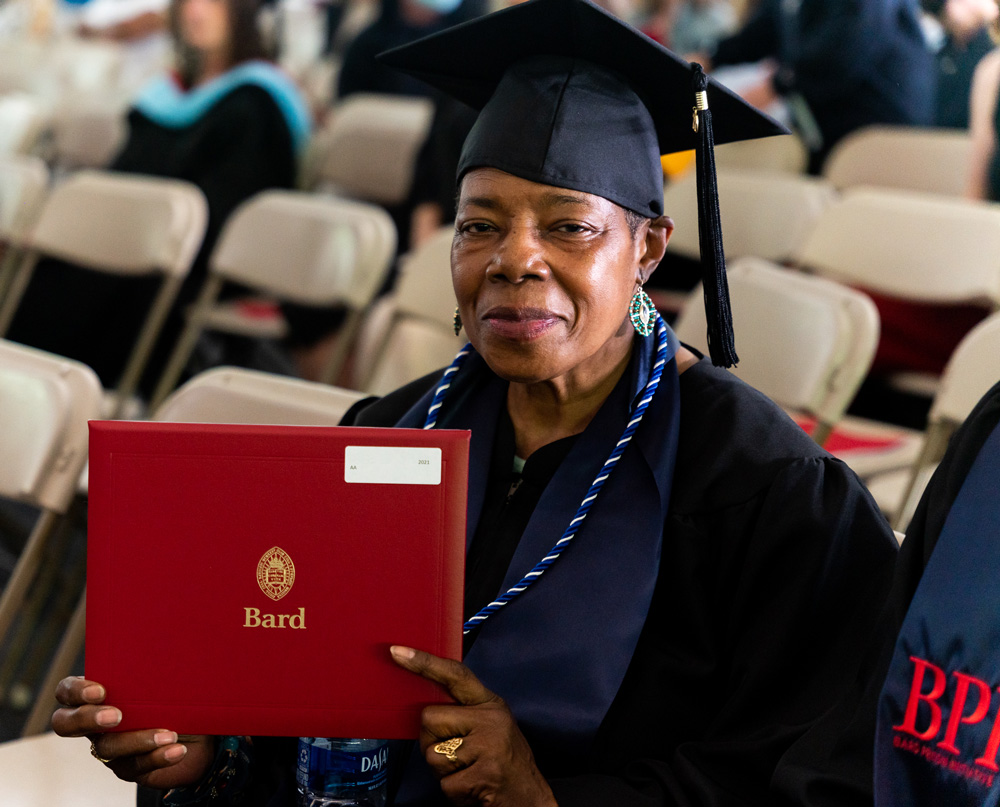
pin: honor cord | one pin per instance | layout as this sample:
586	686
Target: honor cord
595	488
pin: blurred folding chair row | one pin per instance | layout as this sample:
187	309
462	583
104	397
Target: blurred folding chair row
23	184
295	247
45	403
121	224
369	148
411	331
973	368
902	157
765	214
24	120
303	248
913	247
805	342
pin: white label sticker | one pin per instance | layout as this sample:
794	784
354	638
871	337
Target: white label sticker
391	465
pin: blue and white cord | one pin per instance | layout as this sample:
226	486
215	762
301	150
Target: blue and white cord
525	582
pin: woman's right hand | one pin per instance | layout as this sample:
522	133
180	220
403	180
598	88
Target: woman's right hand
152	758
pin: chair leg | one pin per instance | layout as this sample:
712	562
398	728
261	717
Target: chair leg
342	348
144	344
822	432
59	600
23	638
18	284
25	570
8	266
935	444
62	663
186	341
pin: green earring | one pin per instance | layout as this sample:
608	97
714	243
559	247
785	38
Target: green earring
457	321
642	313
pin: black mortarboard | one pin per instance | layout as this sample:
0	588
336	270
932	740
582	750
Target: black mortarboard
571	96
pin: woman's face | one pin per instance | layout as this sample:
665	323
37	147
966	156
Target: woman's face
204	24
544	276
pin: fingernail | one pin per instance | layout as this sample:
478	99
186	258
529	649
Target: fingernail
175	753
404	653
94	692
165	737
109	717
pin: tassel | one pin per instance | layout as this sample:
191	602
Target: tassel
721	346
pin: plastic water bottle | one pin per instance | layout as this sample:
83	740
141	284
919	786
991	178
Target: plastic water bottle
332	772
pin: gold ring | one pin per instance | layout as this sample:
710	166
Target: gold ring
448	748
95	755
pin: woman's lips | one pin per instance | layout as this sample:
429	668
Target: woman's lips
519	323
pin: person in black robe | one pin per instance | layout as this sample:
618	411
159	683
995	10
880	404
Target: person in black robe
226	121
849	63
399	22
836	757
712	606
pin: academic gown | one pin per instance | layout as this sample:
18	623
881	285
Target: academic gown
775	562
835	758
240	145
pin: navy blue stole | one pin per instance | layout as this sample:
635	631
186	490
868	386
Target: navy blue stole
558	654
937	740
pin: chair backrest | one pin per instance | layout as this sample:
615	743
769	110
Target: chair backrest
123	223
785	153
87	133
973	368
22	122
235	395
902	157
764	213
804	341
424	288
307	248
23	184
909	245
370	148
45	403
416	334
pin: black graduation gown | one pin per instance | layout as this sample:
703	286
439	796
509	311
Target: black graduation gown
836	757
240	146
775	564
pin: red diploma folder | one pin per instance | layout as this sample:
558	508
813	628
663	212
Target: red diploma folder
250	579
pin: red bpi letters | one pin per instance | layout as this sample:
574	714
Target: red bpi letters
957	716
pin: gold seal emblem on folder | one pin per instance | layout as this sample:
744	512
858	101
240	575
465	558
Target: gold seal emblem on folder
275	573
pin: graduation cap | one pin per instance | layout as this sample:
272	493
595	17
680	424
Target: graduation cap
571	96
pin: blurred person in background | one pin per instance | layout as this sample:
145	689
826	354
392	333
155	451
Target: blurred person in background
690	26
399	22
984	165
838	64
224	119
965	40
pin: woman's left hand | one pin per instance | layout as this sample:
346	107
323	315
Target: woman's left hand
493	764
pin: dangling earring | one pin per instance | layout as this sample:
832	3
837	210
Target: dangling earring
642	313
457	321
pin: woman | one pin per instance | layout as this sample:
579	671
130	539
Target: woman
225	120
720	566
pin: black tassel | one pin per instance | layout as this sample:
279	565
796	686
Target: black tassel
718	313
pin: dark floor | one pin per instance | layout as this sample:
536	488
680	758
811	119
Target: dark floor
26	652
